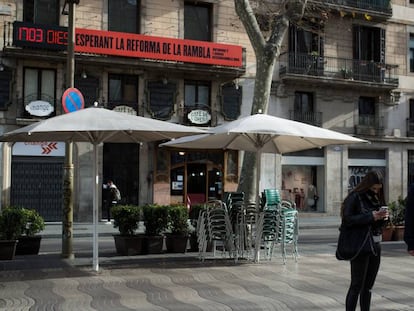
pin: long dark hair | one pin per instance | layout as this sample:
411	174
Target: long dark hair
370	179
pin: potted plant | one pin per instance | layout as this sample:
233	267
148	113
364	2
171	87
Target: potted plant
397	218
29	241
177	238
126	219
11	227
156	222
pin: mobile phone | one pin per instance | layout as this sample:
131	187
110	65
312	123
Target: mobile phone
384	209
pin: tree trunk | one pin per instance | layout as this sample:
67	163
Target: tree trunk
267	53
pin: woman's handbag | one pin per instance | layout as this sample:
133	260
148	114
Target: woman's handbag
354	241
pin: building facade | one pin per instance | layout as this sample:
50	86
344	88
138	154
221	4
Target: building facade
191	62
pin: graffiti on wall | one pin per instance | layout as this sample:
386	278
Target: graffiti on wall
356	173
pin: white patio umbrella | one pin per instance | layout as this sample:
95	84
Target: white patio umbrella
98	125
262	133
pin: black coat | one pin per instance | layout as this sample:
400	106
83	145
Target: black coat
357	211
409	219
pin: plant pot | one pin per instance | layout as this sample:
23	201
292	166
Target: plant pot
398	234
387	233
193	243
176	243
28	245
7	249
153	244
129	245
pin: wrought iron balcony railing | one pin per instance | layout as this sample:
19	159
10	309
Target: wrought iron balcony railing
313	118
338	68
368	124
410	127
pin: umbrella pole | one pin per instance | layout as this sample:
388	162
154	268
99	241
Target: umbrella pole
95	263
258	164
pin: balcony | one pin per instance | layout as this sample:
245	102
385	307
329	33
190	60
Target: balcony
373	7
410	127
338	70
370	125
312	118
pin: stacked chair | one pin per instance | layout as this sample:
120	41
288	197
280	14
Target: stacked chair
216	228
288	230
278	224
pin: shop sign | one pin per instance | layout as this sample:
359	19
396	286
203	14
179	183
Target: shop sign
125	109
127	45
39	108
198	116
41	148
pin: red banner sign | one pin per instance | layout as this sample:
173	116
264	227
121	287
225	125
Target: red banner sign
128	45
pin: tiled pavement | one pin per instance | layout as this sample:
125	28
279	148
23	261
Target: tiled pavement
181	282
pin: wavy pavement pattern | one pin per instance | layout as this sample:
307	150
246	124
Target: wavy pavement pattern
317	282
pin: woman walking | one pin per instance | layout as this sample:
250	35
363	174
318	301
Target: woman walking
361	208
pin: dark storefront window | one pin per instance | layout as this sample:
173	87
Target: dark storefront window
198	175
197	21
41	11
124	16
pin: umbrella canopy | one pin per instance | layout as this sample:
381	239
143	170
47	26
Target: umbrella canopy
262	133
98	125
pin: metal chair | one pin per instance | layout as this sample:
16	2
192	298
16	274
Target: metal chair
218	229
288	231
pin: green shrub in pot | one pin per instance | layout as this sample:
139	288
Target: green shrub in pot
126	218
178	219
155	219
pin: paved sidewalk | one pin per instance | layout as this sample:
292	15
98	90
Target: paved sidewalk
180	282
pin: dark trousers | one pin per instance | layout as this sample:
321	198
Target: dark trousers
364	271
108	205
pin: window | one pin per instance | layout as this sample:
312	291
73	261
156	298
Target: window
5	83
306	41
411	52
410	121
369	50
41	11
39	84
124	15
89	88
161	97
231	100
123	90
366	111
369	43
303	109
410	167
197	21
197	96
306	49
